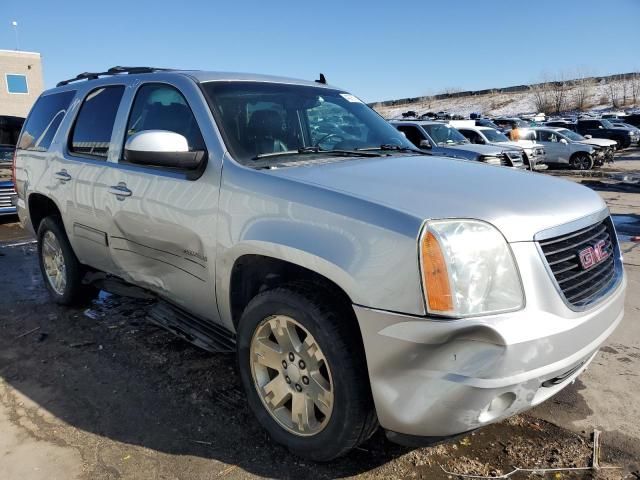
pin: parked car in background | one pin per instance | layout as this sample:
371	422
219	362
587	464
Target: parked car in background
568	124
359	283
561	150
628	126
604	147
9	131
442	139
485	122
602	128
532	152
633	119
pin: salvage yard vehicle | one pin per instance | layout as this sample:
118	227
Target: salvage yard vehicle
560	149
532	153
9	130
360	282
440	138
604	148
602	128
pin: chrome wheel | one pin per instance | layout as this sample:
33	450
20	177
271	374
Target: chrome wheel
291	375
53	260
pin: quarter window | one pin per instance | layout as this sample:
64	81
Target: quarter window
162	107
43	121
17	83
94	125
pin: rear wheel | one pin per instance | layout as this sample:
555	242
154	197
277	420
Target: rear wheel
581	161
302	366
61	270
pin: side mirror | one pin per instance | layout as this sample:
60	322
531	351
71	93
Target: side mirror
425	144
563	141
161	148
588	137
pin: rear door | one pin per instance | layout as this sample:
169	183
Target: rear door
82	172
163	229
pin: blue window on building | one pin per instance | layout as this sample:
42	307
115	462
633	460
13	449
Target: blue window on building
17	83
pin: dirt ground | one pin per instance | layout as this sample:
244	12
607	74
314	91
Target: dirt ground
100	393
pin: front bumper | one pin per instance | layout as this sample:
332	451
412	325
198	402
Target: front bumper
439	378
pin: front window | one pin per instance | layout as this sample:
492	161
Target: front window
443	134
576	137
495	136
606	123
261	120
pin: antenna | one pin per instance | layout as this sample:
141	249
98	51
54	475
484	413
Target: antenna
322	79
14	24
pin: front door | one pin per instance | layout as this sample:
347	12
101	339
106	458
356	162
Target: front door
556	151
164	221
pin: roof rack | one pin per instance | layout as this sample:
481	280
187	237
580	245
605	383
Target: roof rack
112	71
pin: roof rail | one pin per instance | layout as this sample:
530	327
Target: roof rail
118	70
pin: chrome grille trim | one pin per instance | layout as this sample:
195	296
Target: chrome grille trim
581	288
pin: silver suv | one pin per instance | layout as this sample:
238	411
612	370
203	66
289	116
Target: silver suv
361	282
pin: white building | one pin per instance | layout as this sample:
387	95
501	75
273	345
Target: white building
20	81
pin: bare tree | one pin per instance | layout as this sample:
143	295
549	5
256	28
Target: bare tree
624	86
583	89
635	87
559	90
541	97
612	89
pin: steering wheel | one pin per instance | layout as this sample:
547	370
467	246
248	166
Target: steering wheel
326	137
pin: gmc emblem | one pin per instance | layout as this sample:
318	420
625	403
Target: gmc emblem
591	256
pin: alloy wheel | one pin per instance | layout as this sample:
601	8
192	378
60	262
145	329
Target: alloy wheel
54	265
291	375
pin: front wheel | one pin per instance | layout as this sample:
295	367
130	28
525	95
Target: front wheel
302	366
581	161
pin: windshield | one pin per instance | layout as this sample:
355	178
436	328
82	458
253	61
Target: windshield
443	134
259	120
495	136
576	137
606	123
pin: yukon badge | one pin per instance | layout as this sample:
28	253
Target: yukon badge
591	256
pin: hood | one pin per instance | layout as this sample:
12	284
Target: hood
510	145
481	149
519	203
599	142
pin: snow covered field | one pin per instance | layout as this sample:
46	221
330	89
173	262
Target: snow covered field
499	104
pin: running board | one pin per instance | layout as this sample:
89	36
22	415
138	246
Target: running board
202	333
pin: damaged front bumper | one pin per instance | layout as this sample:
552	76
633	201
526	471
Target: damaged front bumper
439	378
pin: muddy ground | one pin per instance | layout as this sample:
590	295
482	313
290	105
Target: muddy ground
100	393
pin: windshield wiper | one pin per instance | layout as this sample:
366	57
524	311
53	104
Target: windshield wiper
387	147
314	149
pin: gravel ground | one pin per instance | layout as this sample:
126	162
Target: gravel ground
100	393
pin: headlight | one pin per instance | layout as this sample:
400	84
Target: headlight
491	160
468	269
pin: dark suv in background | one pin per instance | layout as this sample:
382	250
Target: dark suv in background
602	128
9	131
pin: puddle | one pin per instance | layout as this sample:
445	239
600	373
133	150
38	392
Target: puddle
627	226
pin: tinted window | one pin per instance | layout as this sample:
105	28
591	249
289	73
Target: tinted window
161	107
414	135
17	83
10	129
94	125
44	120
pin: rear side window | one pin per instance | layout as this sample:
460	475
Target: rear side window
93	128
44	120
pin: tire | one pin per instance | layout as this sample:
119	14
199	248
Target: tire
331	431
581	161
56	255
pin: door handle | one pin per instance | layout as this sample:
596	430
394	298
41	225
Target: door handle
120	190
62	175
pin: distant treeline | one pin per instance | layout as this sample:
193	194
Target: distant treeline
514	89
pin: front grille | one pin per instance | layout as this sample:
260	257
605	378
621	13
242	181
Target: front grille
5	196
582	287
